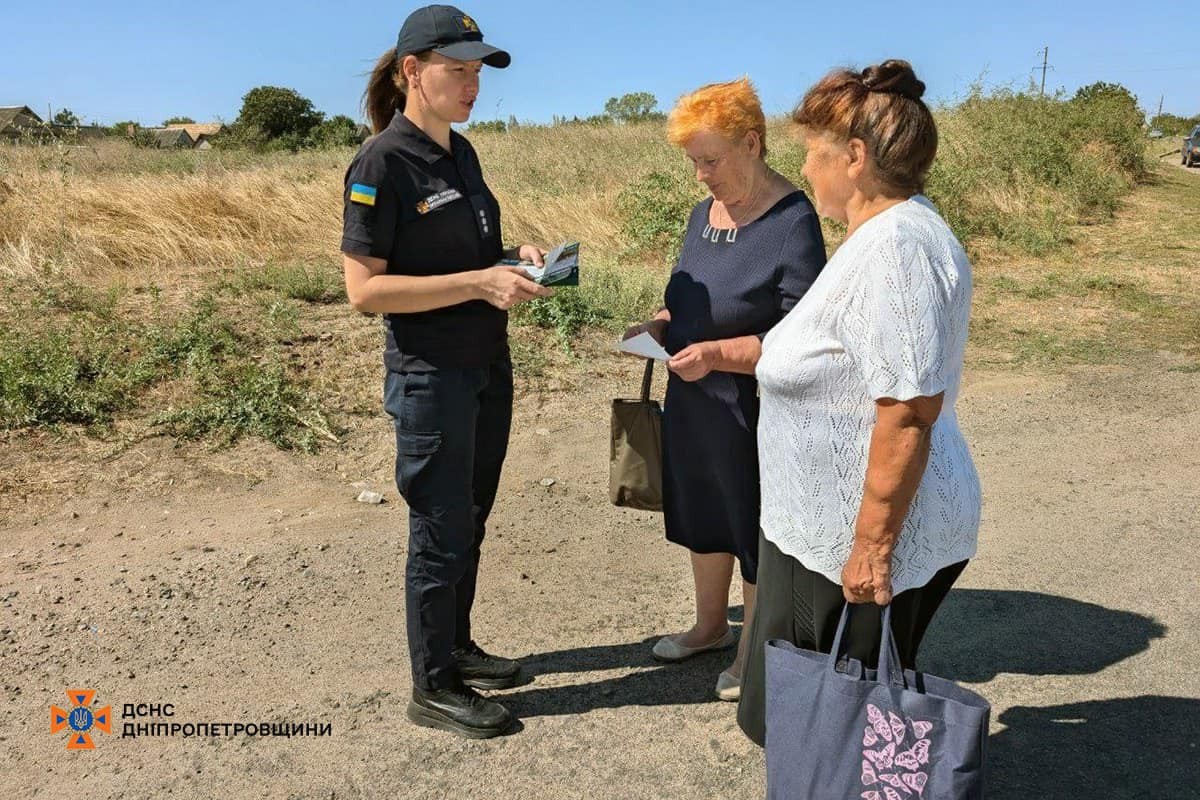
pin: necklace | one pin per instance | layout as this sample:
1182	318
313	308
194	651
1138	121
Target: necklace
714	234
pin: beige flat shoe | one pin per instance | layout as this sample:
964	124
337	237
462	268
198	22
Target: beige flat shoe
667	649
729	687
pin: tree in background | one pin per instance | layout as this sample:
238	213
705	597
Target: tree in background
1174	125
337	131
132	131
1116	121
489	126
125	128
66	117
1108	92
633	107
273	115
179	121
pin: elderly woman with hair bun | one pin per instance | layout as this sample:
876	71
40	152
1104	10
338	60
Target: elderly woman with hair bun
869	495
751	250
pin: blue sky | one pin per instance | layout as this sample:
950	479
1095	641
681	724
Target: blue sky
150	60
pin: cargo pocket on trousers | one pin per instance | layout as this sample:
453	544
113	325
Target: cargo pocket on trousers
415	452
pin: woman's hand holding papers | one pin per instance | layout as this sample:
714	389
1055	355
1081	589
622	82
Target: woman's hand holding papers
657	328
695	361
531	253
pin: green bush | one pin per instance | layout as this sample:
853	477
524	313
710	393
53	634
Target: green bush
73	357
247	399
654	214
78	375
1026	169
337	131
307	282
1173	125
567	313
608	297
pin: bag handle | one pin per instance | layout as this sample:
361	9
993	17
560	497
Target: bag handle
889	668
646	380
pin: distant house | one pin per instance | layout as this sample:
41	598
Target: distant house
199	131
172	137
18	122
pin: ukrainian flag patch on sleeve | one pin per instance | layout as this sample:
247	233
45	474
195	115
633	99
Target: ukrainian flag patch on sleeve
361	193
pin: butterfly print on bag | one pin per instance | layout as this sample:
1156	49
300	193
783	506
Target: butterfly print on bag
886	764
882	759
915	781
879	723
915	756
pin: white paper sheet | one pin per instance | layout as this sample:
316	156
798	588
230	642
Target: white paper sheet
645	346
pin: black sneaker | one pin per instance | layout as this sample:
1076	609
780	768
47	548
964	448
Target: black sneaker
463	711
484	671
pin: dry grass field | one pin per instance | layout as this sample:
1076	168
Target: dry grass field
198	293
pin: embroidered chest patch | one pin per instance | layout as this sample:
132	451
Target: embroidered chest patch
436	201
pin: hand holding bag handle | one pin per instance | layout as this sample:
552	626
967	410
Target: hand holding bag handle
889	669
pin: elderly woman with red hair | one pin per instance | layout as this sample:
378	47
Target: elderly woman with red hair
751	250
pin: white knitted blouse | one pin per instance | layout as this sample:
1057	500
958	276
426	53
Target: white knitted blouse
887	317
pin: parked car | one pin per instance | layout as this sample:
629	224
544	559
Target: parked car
1191	148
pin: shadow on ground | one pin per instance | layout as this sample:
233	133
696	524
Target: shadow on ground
980	633
1136	747
1131	747
652	684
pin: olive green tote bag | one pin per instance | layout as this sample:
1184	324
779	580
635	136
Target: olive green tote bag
635	471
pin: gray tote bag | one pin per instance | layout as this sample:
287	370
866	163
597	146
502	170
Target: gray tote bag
837	730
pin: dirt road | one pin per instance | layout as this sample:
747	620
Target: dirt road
280	601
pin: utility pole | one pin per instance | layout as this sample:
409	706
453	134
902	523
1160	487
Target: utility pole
1045	65
1160	99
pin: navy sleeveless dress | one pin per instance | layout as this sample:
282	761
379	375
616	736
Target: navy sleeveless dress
728	283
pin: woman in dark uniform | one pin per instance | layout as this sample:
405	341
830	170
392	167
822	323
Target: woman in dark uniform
751	250
420	240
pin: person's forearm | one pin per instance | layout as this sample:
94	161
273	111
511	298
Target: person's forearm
738	355
899	452
410	294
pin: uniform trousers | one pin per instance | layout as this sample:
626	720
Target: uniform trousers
452	427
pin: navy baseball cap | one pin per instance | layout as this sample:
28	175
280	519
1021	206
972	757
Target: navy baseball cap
447	30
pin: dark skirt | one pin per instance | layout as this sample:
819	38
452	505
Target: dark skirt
710	467
803	607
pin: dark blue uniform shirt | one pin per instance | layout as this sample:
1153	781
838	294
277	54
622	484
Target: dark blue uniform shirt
427	212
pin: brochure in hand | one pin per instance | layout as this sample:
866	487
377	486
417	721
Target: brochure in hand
562	266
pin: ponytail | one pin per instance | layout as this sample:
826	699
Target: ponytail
387	89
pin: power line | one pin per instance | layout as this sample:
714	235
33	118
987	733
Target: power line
1045	66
